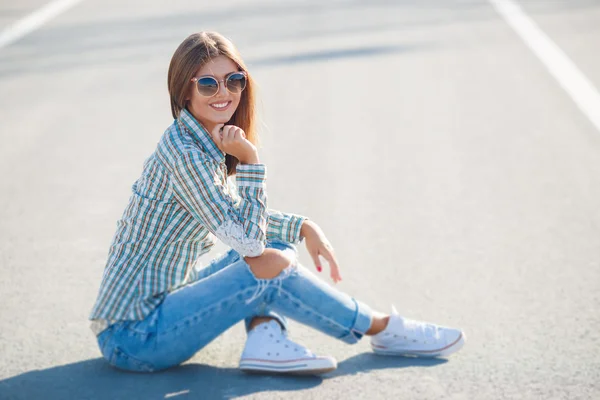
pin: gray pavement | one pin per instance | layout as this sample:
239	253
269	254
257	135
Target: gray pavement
452	174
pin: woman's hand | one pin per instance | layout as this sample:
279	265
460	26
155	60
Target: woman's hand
317	244
232	140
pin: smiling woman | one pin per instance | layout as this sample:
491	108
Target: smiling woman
155	310
212	102
207	71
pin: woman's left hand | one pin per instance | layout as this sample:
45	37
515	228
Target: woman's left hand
317	244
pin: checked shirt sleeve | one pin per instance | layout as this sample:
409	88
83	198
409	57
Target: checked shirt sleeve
199	188
284	226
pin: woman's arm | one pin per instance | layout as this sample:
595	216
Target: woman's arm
198	187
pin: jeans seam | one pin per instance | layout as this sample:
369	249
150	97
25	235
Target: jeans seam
195	314
141	366
301	303
353	331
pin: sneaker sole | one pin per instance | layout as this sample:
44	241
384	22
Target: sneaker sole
297	367
444	351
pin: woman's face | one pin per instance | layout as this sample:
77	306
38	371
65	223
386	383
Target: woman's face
205	109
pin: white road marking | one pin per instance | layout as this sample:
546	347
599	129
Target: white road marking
34	20
572	80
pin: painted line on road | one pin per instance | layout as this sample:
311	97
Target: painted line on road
34	20
572	80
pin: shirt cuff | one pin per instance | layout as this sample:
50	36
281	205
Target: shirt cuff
294	227
251	175
286	227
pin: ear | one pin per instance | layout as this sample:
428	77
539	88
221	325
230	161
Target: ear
188	95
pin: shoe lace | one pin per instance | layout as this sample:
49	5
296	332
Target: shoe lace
281	338
419	331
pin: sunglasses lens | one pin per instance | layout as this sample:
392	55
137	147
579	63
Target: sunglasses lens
208	86
236	82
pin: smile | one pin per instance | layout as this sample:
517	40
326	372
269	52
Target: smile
221	106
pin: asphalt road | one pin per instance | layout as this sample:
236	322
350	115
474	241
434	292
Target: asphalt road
452	173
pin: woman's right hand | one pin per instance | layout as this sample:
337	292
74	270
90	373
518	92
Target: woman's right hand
318	245
232	140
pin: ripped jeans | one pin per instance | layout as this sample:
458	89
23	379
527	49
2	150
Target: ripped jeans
224	293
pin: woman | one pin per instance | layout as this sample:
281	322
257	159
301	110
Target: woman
156	309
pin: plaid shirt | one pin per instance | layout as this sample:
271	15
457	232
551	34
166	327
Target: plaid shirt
181	203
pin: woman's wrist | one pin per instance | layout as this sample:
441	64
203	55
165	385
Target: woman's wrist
306	228
253	159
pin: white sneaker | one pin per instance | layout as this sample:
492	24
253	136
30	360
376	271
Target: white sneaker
405	337
269	350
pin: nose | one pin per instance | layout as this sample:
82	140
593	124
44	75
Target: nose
222	88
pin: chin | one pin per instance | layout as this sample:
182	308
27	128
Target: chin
218	116
225	119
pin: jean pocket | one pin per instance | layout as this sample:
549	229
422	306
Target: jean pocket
122	360
105	342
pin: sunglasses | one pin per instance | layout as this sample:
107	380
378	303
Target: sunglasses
208	85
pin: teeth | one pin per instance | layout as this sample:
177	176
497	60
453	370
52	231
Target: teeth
220	105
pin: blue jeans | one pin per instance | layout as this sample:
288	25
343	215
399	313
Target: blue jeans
225	293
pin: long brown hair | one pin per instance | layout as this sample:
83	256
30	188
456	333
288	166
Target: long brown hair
191	55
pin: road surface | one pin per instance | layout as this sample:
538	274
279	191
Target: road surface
452	172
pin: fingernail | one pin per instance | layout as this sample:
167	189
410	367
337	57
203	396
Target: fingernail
319	269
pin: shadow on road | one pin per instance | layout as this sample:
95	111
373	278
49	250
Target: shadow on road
95	379
365	362
131	38
329	54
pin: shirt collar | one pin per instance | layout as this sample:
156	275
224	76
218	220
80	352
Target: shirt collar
200	133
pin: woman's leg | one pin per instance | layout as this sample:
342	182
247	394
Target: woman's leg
194	315
188	318
266	312
263	313
299	294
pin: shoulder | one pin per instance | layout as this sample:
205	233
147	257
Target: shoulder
176	146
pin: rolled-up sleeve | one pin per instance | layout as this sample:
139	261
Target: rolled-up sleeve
284	226
240	224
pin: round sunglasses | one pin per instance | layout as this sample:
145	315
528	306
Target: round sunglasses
208	85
